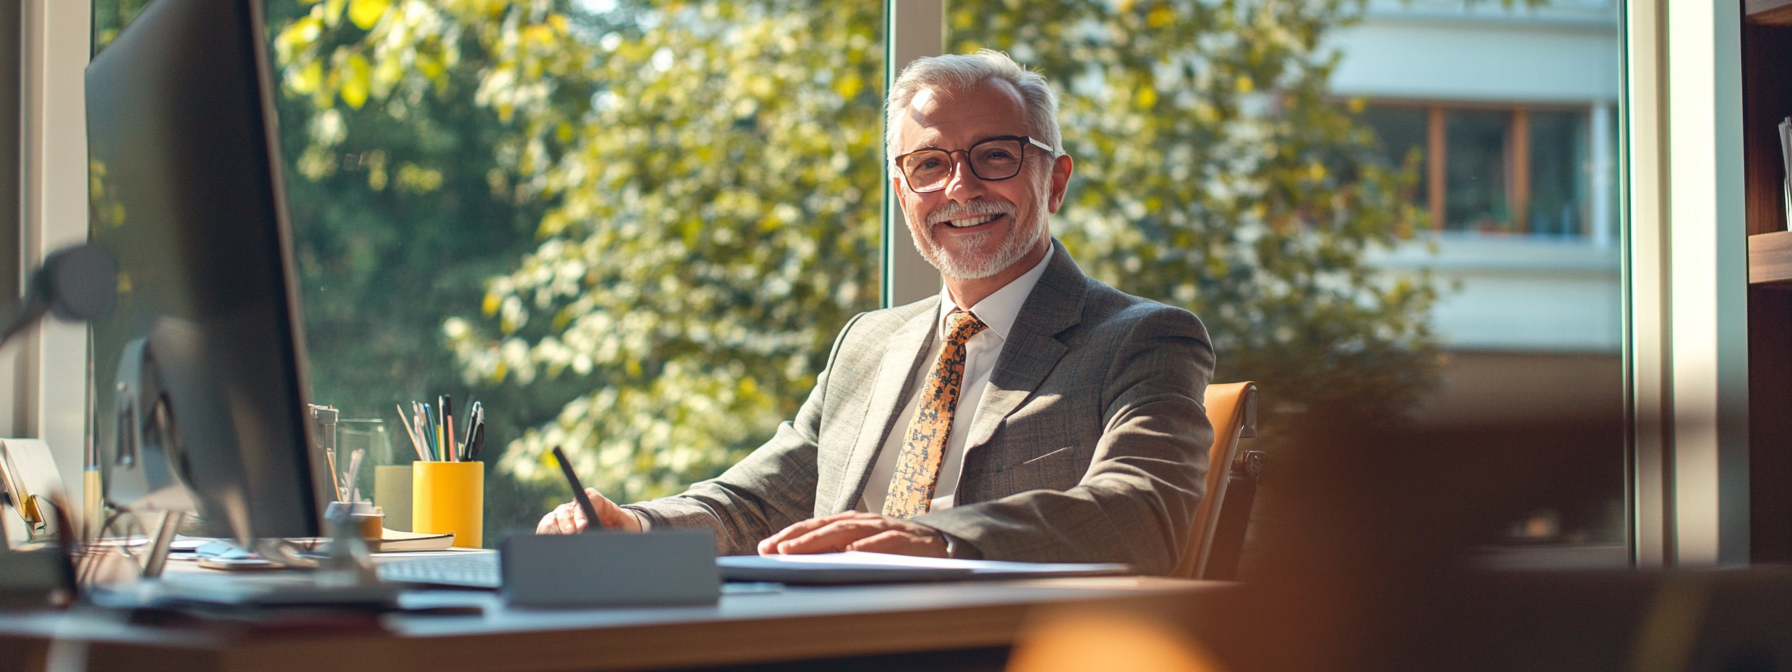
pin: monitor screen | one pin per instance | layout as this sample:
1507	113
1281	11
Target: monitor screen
185	188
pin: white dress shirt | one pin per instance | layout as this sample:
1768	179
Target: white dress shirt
998	311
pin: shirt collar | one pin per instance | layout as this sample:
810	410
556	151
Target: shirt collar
998	310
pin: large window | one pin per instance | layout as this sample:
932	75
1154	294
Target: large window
1506	112
630	229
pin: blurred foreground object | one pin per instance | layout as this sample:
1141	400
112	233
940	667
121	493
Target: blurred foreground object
1107	641
45	576
1371	555
75	284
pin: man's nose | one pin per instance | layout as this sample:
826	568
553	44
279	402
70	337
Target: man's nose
964	185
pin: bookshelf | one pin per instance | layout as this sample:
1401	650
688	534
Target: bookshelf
1767	98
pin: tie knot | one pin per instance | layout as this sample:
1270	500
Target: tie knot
961	326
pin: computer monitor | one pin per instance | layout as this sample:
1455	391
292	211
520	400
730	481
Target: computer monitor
199	374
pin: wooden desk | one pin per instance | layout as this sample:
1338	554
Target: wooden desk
796	624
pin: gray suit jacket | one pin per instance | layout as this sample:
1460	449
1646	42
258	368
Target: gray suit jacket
1089	445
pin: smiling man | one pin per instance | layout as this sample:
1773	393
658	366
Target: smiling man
1028	412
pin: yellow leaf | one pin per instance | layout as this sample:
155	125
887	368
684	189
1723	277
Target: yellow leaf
356	80
538	34
490	305
1245	85
1159	17
849	86
365	13
387	73
305	79
1146	98
301	33
333	11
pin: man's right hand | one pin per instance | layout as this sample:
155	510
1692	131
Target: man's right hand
568	519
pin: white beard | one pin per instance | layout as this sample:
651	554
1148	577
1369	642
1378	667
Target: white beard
1021	240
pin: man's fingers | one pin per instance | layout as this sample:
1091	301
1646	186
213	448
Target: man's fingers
569	518
769	545
888	541
832	537
613	516
548	525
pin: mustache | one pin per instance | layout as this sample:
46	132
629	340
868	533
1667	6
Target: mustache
954	210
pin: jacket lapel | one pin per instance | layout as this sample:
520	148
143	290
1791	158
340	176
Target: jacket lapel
910	341
1056	304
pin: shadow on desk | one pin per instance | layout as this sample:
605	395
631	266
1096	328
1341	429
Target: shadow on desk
1377	562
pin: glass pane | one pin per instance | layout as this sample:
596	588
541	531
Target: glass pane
1476	166
1220	175
1400	130
111	16
1525	256
1222	168
1561	173
627	228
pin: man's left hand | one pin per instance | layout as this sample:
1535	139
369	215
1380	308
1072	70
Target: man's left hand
856	531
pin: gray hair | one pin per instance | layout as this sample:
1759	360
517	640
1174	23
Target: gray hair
959	72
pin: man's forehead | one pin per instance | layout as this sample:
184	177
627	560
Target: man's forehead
994	103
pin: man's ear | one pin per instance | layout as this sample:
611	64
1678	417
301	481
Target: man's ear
1061	169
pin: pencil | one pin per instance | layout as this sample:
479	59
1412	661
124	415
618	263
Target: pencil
411	433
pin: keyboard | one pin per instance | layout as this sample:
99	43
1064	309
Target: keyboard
460	570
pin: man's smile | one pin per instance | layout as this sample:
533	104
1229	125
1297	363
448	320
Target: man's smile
973	221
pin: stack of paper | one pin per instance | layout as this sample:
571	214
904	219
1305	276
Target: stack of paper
857	567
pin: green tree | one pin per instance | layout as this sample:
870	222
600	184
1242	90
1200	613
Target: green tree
1216	171
707	229
706	173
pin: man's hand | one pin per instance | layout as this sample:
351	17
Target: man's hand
568	519
855	531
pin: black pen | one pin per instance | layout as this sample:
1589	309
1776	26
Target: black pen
452	451
478	439
474	413
578	491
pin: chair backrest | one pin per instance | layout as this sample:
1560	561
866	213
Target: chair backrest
1232	408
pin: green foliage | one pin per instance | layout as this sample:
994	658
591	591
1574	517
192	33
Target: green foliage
701	180
110	17
1216	171
706	226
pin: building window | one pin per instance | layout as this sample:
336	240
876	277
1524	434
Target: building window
1497	170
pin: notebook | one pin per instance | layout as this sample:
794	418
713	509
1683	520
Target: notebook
394	540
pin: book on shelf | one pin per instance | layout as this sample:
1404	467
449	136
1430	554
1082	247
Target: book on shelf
1786	163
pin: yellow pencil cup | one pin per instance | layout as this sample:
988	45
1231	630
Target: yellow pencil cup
449	497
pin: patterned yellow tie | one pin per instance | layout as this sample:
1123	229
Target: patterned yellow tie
918	466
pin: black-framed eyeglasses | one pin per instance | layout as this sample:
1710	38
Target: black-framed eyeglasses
928	170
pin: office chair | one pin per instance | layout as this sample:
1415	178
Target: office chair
1225	512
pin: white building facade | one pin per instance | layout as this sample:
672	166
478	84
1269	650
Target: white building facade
1509	113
